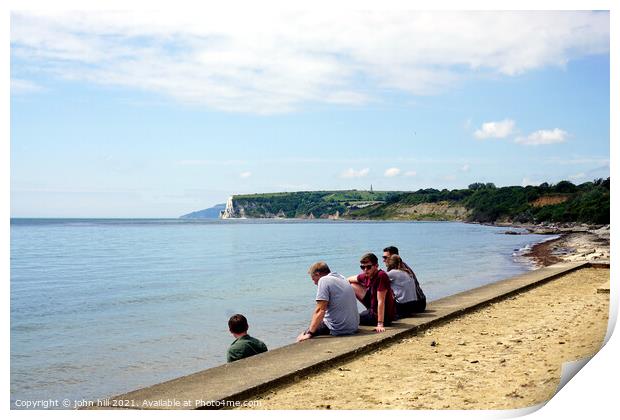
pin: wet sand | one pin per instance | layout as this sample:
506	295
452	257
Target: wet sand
506	355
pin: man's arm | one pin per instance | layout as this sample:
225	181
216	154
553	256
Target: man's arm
380	310
358	288
317	318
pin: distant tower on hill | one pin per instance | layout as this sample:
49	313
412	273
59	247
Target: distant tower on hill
371	188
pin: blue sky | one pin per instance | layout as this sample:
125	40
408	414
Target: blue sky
159	114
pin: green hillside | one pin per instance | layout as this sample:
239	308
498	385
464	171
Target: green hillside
305	203
562	202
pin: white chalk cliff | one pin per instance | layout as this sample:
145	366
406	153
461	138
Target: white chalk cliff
230	212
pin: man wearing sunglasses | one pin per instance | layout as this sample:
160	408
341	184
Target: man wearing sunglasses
336	307
372	288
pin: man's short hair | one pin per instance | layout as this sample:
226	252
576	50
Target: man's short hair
391	249
238	324
320	267
370	257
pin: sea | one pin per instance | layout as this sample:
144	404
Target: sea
100	307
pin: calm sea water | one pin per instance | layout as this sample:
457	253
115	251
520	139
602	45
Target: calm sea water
100	307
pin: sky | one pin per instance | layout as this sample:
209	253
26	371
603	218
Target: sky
157	114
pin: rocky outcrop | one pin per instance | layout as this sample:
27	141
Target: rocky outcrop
232	212
334	216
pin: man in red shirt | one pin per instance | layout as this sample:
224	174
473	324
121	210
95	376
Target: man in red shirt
372	287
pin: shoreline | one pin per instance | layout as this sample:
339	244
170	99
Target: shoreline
572	246
245	379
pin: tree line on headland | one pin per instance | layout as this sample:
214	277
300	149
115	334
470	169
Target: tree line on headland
481	202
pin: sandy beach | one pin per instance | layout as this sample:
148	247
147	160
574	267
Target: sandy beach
503	356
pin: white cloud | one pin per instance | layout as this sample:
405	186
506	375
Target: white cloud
269	62
578	176
22	87
411	173
465	168
352	173
495	129
528	181
392	172
245	174
209	162
543	137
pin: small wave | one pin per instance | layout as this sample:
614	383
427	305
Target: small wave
523	250
550	238
528	247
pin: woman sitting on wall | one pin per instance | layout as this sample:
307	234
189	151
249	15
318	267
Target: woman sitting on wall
403	285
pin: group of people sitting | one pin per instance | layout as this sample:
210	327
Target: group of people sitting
387	296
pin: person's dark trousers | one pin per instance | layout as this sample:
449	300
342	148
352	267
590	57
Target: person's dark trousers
322	330
408	309
368	318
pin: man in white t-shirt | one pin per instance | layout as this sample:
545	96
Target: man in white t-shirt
336	305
